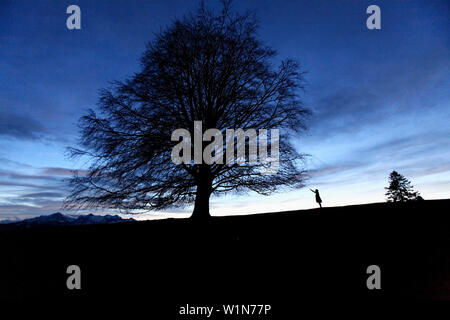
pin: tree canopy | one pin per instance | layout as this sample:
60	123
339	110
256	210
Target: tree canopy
208	67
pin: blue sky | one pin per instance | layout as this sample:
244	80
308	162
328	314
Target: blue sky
380	97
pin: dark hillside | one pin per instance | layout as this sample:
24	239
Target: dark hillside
274	258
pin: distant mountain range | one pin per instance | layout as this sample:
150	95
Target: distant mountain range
59	219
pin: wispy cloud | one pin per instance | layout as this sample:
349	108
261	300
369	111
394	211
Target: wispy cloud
7	211
17	175
63	171
20	126
43	195
7	161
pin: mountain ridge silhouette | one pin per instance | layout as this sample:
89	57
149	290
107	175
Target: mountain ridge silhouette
59	219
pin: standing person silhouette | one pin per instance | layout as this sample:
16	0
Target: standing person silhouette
318	199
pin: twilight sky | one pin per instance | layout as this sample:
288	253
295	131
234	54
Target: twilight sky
380	98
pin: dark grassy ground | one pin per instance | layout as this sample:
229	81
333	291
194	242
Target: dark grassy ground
284	259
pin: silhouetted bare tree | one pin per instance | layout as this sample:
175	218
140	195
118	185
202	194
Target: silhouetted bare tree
400	189
209	67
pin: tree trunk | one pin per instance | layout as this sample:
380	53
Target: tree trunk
201	207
